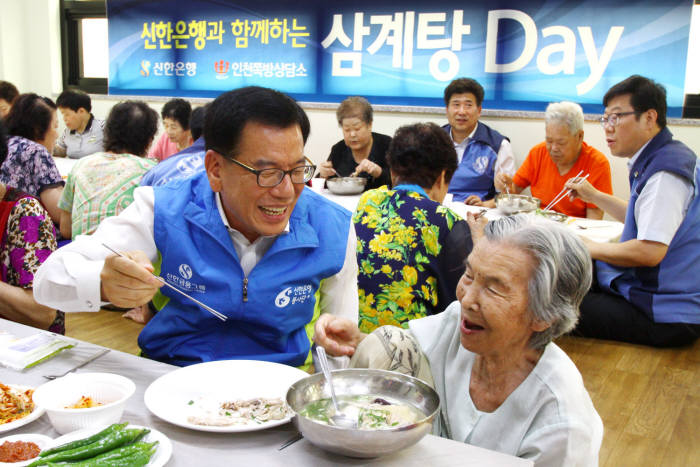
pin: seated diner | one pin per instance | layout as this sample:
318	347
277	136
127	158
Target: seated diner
27	238
562	156
361	152
503	384
410	248
29	167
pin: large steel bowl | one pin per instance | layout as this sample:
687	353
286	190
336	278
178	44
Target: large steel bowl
364	443
513	204
346	185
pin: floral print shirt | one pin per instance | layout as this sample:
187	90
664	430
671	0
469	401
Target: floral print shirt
29	167
29	238
410	252
99	186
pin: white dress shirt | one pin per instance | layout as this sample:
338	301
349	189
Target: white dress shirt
69	280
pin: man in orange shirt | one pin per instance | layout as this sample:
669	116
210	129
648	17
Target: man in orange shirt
562	156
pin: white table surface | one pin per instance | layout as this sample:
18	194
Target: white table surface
64	164
259	448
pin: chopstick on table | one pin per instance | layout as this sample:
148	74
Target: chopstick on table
221	316
564	192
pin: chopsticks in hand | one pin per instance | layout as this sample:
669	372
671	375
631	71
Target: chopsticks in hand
564	192
221	316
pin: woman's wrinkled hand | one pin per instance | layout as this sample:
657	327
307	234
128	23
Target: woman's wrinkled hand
339	336
476	223
127	281
375	170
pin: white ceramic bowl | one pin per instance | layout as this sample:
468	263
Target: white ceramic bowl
107	388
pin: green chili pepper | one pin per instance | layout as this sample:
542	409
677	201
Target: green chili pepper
86	441
108	443
131	455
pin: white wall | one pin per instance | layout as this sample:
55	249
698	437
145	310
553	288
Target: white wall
30	58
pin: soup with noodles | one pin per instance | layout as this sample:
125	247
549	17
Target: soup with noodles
371	412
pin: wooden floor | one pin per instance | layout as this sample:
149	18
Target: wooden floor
649	399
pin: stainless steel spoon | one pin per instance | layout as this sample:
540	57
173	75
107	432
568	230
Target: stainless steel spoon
338	419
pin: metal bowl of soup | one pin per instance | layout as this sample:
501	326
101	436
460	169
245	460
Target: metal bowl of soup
416	403
513	204
346	185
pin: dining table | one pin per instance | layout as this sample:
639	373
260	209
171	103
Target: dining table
603	231
199	448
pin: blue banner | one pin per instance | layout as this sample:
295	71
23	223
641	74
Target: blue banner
524	53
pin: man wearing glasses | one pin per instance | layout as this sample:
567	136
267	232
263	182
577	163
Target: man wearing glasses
648	290
244	238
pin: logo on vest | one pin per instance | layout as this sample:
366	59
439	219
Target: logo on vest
185	271
294	295
480	165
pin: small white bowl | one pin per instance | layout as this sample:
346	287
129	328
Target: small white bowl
107	388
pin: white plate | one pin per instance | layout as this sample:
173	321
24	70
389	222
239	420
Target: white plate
36	413
163	451
42	441
169	396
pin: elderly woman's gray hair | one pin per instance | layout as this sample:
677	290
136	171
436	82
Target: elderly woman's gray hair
565	113
354	107
562	274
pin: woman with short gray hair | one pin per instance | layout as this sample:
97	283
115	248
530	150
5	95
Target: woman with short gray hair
361	152
562	156
503	384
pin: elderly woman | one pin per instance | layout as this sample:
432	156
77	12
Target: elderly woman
29	167
361	152
410	249
503	384
177	136
562	156
102	185
27	237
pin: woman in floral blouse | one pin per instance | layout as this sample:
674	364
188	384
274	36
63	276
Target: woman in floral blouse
29	166
411	249
27	238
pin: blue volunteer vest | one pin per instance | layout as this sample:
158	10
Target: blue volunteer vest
474	174
181	165
268	311
669	292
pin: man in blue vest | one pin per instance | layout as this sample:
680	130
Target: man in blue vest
244	237
482	152
648	290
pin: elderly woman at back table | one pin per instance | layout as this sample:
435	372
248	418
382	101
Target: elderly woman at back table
29	167
410	248
177	136
562	156
361	152
503	384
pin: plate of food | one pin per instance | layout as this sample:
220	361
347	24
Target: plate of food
19	450
140	445
225	396
17	407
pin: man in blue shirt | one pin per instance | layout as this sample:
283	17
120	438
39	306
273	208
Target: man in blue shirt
647	289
